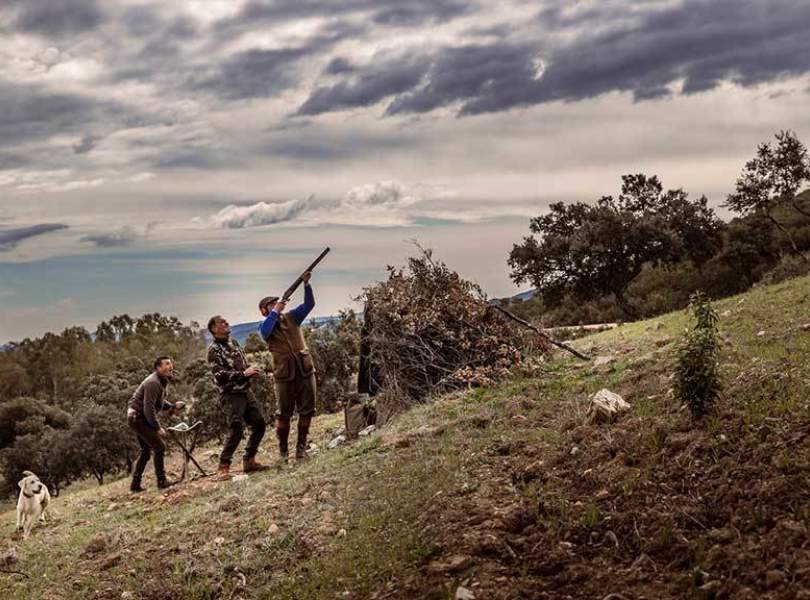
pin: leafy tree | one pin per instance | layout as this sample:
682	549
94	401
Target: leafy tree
255	343
116	329
24	455
61	462
204	404
111	391
54	362
14	379
697	379
335	351
22	416
48	452
102	440
588	251
750	248
771	181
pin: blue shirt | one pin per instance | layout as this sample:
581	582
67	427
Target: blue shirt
298	314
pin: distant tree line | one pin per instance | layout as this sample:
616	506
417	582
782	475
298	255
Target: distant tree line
647	250
63	396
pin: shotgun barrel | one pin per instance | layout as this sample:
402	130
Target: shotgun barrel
291	290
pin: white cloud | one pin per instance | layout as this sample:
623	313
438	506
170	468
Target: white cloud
256	215
140	177
390	194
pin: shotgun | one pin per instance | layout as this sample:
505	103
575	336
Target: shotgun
291	290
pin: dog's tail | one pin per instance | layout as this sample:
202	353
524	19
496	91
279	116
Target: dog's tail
28	474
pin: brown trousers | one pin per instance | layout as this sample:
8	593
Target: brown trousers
296	395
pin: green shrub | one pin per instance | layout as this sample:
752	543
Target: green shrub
697	379
789	267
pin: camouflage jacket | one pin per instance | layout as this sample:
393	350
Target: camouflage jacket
228	363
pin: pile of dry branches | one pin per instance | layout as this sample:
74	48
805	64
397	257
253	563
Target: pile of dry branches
430	330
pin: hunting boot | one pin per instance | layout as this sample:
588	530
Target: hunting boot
136	486
165	483
224	471
283	435
251	466
301	441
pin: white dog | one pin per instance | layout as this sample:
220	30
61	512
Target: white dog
33	501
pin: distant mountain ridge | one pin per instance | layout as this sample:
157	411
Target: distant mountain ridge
523	296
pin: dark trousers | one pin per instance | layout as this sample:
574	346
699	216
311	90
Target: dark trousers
150	442
242	409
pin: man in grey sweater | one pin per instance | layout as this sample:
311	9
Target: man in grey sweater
142	415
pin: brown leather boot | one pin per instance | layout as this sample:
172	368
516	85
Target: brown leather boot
251	466
224	471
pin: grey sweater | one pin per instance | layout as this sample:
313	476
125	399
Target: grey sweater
150	398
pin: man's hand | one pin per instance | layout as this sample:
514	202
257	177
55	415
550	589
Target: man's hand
163	433
279	307
306	276
251	372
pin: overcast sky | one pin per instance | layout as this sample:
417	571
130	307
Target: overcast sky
189	157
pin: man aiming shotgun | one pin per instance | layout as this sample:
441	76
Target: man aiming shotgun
293	370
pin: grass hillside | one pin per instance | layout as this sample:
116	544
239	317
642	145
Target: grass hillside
506	492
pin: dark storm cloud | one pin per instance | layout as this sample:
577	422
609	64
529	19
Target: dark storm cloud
253	74
10	160
154	49
202	159
123	237
644	52
470	73
87	143
58	17
318	145
30	112
9	238
419	13
261	73
703	43
141	21
338	66
375	83
146	23
386	12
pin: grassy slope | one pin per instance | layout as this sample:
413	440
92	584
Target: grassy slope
504	490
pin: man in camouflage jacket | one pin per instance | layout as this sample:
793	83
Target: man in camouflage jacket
232	375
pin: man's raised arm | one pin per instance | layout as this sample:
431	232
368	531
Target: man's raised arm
299	313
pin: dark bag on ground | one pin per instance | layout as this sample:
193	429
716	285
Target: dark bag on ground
358	415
